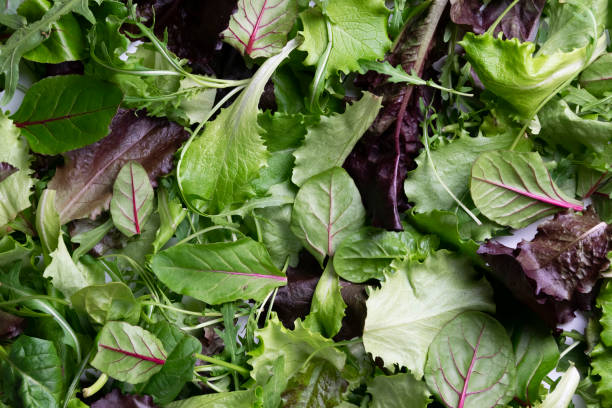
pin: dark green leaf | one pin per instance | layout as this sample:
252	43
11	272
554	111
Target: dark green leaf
400	390
597	78
316	386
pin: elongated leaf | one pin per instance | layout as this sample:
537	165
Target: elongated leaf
329	142
128	353
327	209
216	168
48	223
259	28
31	374
219	272
480	371
171	214
65	112
111	301
516	189
327	309
132	200
564	392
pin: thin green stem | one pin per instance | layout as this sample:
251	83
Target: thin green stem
33	297
178	310
222	363
209	323
208	383
567	350
271	304
205	231
501	16
95	387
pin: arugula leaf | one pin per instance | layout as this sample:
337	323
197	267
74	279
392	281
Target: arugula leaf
451	286
259	28
107	302
128	353
327	308
327	209
219	272
132	201
400	390
516	189
87	240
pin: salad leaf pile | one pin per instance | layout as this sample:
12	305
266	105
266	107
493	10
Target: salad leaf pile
266	203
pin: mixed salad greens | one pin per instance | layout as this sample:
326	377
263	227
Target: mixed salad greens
265	203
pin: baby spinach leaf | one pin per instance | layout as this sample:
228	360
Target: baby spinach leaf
597	77
327	209
128	353
219	272
329	142
400	390
132	201
65	112
327	309
259	28
47	223
171	214
480	371
215	168
516	189
32	373
107	302
451	285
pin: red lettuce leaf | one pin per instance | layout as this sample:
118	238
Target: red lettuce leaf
557	272
115	399
10	326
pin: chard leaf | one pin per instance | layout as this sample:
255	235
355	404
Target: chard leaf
15	188
30	36
128	353
259	28
47	223
84	184
107	302
480	371
597	77
171	214
31	373
220	272
516	189
357	30
327	309
77	115
398	313
132	201
400	390
7	169
235	399
329	142
215	168
327	209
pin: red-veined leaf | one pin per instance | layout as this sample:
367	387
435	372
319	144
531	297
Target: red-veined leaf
132	200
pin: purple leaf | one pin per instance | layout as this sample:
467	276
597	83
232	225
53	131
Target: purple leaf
10	326
6	169
115	399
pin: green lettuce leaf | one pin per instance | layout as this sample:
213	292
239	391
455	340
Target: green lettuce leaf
400	390
327	308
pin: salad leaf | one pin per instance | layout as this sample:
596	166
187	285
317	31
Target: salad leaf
12	250
316	386
326	210
10	325
84	183
516	189
128	353
319	153
48	223
115	399
237	399
132	200
564	391
7	169
452	287
54	122
107	302
259	28
597	77
327	308
601	364
219	272
398	390
480	371
604	302
281	243
171	214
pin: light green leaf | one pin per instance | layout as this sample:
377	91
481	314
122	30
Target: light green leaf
198	102
358	32
216	167
107	302
604	302
9	16
281	243
480	371
171	214
516	189
453	162
15	189
295	346
12	250
31	373
77	115
89	239
259	28
327	308
128	353
601	363
132	200
329	142
597	78
65	42
48	223
562	396
236	399
219	272
400	312
327	209
400	390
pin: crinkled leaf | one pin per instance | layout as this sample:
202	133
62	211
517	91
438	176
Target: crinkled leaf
358	31
316	386
84	184
398	313
327	209
11	326
32	374
329	142
259	28
77	115
48	223
597	77
107	302
132	200
216	167
480	371
516	189
236	399
327	309
128	353
115	399
604	302
601	361
219	272
400	390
